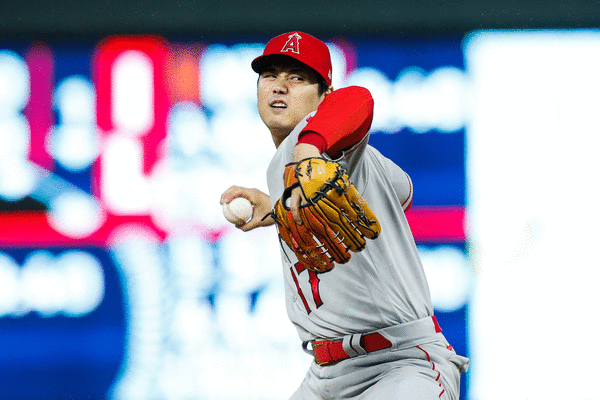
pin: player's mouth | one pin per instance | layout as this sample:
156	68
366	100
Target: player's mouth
278	105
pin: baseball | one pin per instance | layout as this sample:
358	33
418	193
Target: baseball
238	211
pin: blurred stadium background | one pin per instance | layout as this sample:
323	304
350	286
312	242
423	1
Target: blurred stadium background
122	122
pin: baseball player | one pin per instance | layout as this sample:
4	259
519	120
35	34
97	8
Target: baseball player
355	287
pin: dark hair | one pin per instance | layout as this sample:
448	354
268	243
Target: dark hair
274	59
323	86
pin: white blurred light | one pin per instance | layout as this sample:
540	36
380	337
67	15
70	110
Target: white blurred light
226	79
74	146
71	284
188	129
190	259
433	101
242	140
14	83
415	100
74	143
74	99
385	109
133	92
43	289
17	175
191	323
18	178
233	319
450	91
139	260
532	212
338	65
271	320
249	259
185	200
14	137
448	276
75	214
84	279
124	186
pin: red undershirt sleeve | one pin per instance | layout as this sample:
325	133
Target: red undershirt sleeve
343	119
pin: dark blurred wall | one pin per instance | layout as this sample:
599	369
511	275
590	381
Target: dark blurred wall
72	18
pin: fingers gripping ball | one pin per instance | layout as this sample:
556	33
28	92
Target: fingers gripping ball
238	211
336	220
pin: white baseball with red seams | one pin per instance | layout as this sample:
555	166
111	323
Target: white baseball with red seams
238	211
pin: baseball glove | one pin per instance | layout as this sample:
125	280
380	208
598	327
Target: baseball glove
335	221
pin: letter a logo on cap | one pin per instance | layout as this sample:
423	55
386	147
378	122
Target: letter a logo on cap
292	44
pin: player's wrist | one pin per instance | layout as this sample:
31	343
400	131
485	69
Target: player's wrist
314	138
305	150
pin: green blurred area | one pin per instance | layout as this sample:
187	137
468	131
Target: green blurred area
73	18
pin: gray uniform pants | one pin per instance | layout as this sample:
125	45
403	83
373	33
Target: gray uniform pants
420	368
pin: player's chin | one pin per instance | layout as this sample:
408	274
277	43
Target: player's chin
281	123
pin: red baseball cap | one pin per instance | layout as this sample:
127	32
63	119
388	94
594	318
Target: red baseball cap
301	46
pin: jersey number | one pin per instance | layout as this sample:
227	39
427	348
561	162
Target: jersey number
313	279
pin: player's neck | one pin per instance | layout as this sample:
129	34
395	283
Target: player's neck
279	136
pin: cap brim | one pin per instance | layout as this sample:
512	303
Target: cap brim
261	62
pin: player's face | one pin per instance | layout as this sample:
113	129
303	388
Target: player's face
287	92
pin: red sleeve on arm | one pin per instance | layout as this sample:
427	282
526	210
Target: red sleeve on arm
342	120
315	139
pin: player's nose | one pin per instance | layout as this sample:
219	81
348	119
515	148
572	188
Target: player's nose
280	85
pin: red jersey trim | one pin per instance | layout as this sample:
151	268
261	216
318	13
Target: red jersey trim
408	203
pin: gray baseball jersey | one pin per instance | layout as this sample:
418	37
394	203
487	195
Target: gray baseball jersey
381	286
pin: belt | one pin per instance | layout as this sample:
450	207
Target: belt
329	352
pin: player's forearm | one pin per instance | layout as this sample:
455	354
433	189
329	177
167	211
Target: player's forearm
305	150
342	120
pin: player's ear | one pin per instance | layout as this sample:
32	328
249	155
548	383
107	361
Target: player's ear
329	90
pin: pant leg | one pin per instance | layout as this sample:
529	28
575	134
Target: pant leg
309	388
404	384
432	373
448	365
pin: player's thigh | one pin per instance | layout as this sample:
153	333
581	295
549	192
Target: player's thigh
308	389
406	383
304	393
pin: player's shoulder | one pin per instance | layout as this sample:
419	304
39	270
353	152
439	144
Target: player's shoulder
376	155
377	161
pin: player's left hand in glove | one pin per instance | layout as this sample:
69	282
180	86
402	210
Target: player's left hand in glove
335	220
